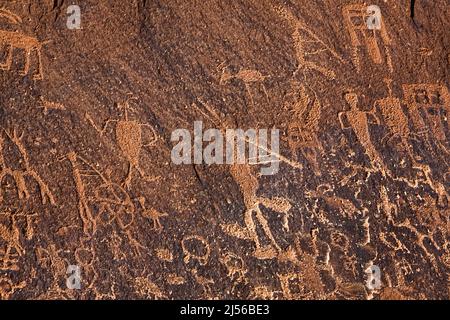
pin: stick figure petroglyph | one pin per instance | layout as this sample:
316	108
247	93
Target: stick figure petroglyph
129	138
16	40
19	175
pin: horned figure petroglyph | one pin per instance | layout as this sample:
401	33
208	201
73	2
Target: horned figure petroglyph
129	138
355	18
301	37
19	175
248	183
247	76
15	40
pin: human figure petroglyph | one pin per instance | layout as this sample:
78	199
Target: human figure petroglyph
19	175
427	104
303	130
301	40
248	77
355	18
248	183
359	122
16	40
152	214
398	123
128	135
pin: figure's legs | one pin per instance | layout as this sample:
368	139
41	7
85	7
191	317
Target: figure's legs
265	92
266	227
144	176
127	182
250	224
8	62
247	87
26	68
40	74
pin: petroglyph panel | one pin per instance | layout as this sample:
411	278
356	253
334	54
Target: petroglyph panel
358	208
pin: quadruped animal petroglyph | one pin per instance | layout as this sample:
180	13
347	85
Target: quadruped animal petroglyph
15	40
247	76
28	171
301	36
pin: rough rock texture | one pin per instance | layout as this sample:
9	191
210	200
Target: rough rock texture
364	174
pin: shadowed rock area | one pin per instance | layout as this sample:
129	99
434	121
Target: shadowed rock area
356	208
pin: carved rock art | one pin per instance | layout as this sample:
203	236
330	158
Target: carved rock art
355	17
19	175
247	76
129	138
301	36
14	40
359	122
